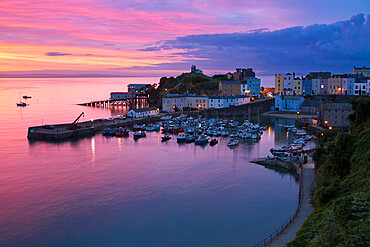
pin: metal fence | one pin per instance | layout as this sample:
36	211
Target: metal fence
276	233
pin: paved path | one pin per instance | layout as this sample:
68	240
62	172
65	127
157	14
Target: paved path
306	208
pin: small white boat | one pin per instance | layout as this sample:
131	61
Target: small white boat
164	118
233	143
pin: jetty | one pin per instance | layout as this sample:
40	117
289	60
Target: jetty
60	132
292	164
138	100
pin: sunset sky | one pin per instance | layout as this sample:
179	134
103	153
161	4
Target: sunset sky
163	38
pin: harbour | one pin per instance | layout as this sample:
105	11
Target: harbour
132	191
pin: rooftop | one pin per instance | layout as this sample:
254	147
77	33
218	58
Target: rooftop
138	85
311	102
230	82
292	97
336	106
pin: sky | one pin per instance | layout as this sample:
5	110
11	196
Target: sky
164	38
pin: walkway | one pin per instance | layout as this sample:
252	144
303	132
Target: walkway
306	208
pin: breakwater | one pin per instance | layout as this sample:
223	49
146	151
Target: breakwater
61	132
293	164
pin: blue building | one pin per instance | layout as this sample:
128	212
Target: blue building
351	86
288	103
306	86
251	86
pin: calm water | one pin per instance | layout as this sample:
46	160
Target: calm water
119	192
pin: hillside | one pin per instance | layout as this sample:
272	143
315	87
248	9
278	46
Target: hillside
186	82
341	198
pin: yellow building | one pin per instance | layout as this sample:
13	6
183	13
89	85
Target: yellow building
279	84
229	88
297	86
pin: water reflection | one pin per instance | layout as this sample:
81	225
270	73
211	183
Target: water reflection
93	150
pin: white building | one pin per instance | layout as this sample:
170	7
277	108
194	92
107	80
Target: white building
173	102
361	71
288	81
143	112
242	99
361	88
229	101
316	83
215	101
193	101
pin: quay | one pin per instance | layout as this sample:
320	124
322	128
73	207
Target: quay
292	165
60	132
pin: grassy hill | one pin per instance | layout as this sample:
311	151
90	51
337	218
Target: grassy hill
186	82
342	195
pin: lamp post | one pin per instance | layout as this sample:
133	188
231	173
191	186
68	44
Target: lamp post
326	123
297	114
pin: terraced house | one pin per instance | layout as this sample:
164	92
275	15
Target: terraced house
229	88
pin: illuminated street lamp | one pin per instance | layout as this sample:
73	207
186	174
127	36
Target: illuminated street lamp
297	114
326	123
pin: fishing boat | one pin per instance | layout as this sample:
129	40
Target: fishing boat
277	150
203	139
233	143
191	138
181	138
139	134
108	132
213	142
26	97
225	134
122	132
165	138
279	154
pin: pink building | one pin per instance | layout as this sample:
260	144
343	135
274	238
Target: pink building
335	85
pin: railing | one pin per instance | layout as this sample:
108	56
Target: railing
276	233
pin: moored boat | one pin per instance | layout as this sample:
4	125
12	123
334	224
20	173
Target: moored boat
181	138
233	143
203	139
139	134
213	142
165	138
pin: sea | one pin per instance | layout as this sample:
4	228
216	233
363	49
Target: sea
108	191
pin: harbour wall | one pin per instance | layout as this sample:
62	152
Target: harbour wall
253	108
63	132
